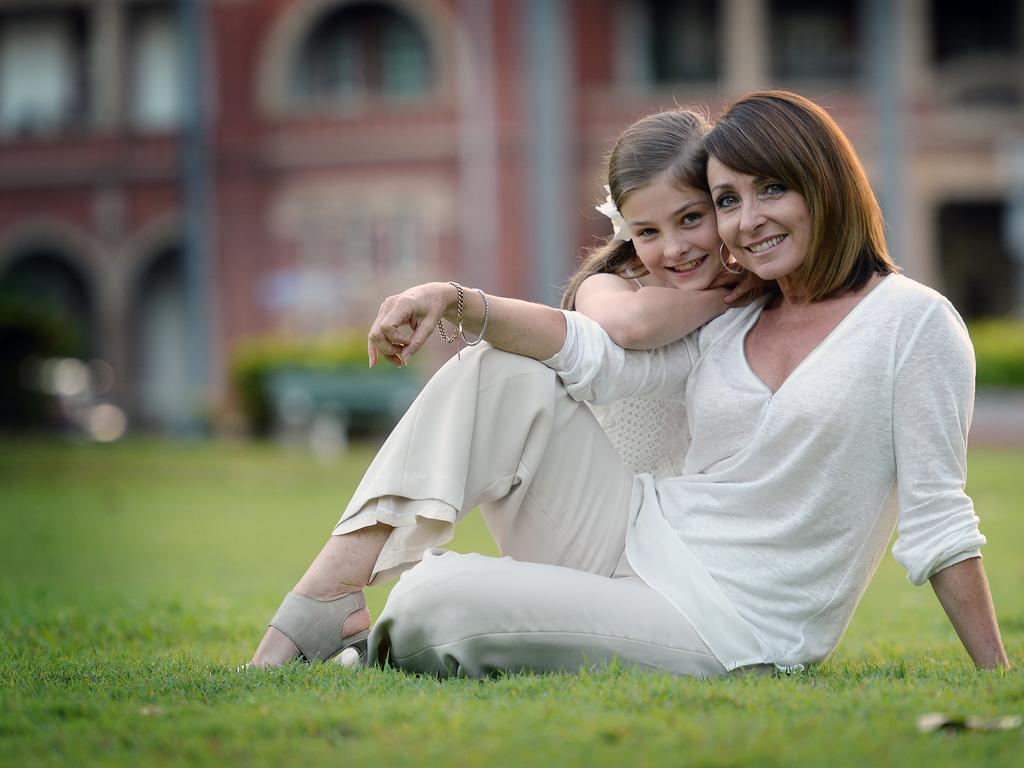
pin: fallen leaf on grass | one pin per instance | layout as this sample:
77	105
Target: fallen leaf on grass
937	721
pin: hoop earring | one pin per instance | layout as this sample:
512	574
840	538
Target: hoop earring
725	264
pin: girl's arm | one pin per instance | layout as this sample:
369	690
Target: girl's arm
405	322
963	591
648	317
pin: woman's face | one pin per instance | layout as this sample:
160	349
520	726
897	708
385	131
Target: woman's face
765	225
674	233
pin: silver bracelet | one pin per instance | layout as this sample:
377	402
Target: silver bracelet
483	327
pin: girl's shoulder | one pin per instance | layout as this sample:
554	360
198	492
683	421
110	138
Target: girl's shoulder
609	282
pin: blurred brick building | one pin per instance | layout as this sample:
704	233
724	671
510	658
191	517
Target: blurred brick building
358	146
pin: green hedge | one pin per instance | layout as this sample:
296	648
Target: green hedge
254	360
998	345
999	348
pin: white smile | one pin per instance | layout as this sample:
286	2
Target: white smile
766	245
688	266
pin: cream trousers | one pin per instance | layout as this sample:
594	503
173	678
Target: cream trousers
499	431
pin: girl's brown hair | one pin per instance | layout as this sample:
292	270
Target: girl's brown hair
782	136
665	141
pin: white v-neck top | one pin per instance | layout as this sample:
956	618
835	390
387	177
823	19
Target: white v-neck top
788	500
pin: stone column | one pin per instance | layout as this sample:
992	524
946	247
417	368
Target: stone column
917	243
107	64
744	28
550	106
915	48
480	222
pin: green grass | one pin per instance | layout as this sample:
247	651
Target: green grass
134	577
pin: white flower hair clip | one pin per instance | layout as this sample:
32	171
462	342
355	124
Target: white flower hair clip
609	209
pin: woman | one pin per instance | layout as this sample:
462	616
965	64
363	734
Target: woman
811	411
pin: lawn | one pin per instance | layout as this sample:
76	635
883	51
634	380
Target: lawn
134	577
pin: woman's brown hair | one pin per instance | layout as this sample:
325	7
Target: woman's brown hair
665	141
782	136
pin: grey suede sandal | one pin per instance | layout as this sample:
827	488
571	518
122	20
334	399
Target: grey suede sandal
315	625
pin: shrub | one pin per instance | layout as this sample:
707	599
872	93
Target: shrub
999	348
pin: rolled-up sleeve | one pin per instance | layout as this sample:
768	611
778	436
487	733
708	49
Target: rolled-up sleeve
597	370
933	400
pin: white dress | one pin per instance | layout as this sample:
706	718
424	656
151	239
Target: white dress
649	435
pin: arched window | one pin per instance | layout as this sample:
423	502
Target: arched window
363	50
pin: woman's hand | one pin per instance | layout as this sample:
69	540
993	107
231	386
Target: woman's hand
405	322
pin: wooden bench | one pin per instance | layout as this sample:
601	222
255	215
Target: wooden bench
367	400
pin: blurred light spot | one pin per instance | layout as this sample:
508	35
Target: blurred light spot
66	377
48	375
106	423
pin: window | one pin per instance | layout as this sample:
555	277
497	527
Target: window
155	95
684	40
811	39
978	273
981	55
364	50
961	29
661	42
42	71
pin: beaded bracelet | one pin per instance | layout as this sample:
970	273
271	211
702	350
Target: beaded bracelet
459	314
458	318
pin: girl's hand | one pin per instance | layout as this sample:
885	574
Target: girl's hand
742	288
405	322
726	279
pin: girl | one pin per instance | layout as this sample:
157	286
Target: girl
664	239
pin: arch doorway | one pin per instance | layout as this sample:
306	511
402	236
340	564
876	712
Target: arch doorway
47	282
46	310
161	345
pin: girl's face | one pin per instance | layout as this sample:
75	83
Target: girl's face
674	233
765	225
